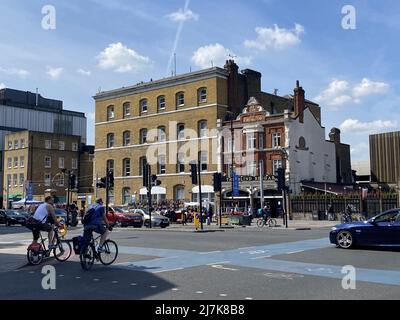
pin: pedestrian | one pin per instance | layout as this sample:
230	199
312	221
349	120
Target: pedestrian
184	217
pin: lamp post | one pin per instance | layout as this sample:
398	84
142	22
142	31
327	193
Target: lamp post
345	200
380	199
304	202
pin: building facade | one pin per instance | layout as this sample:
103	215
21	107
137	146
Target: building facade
41	161
384	151
20	110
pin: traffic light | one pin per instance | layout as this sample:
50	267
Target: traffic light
193	173
154	181
217	182
146	175
281	179
72	181
111	179
102	183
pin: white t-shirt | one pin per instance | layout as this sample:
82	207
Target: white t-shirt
41	213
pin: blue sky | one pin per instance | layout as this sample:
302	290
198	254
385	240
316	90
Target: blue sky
105	44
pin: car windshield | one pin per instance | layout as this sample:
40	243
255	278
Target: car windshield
393	216
121	210
14	213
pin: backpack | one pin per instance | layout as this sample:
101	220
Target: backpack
88	216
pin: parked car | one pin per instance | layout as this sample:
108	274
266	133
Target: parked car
381	230
157	220
13	217
123	217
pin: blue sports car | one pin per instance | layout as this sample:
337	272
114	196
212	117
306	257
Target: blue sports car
382	230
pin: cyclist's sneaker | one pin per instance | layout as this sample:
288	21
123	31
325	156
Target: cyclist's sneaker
52	247
100	250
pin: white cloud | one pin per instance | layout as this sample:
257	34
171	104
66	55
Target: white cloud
183	15
341	92
367	87
352	125
2	86
360	150
84	72
121	59
216	54
54	73
23	74
275	38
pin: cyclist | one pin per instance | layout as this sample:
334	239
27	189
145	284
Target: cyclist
96	221
266	212
44	219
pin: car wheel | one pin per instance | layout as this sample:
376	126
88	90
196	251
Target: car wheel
345	239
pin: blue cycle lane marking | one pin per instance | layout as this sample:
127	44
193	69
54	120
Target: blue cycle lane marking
258	257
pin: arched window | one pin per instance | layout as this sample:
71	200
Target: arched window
126	110
162	135
181	131
110	113
161	104
143	106
202	127
142	163
179	192
110	140
126	167
202	95
126	195
110	165
180	99
126	137
143	136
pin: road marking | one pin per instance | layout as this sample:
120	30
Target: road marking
203	253
175	289
214	263
168	270
223	268
223	295
153	287
61	275
247	248
114	282
262	257
77	277
133	284
199	292
248	298
292	252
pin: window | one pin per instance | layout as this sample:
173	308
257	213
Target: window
127	109
203	160
143	136
179	193
126	165
61	181
22	161
229	144
202	95
61	163
9	180
142	163
126	136
180	99
276	165
161	103
143	106
47	144
181	131
110	165
74	164
15	162
21	179
251	141
10	145
9	163
15	180
162	136
261	141
16	144
74	146
180	163
202	128
47	180
161	165
110	140
110	113
61	145
126	196
251	168
276	140
47	162
22	143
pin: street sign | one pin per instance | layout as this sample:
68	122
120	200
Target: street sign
29	192
235	185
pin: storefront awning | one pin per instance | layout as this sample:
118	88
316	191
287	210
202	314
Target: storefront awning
154	190
204	189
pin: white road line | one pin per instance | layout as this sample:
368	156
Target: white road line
199	292
153	287
223	268
210	252
133	284
168	270
175	289
214	263
114	282
263	257
246	248
292	252
77	277
248	298
223	295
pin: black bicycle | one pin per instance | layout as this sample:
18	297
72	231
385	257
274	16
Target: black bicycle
107	257
38	252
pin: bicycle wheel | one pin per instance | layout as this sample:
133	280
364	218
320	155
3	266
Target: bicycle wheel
272	223
35	257
63	251
87	258
260	223
110	253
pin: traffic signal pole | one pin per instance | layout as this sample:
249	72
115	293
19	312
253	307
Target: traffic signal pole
68	192
107	189
200	197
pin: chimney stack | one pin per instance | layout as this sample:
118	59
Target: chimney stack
299	102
